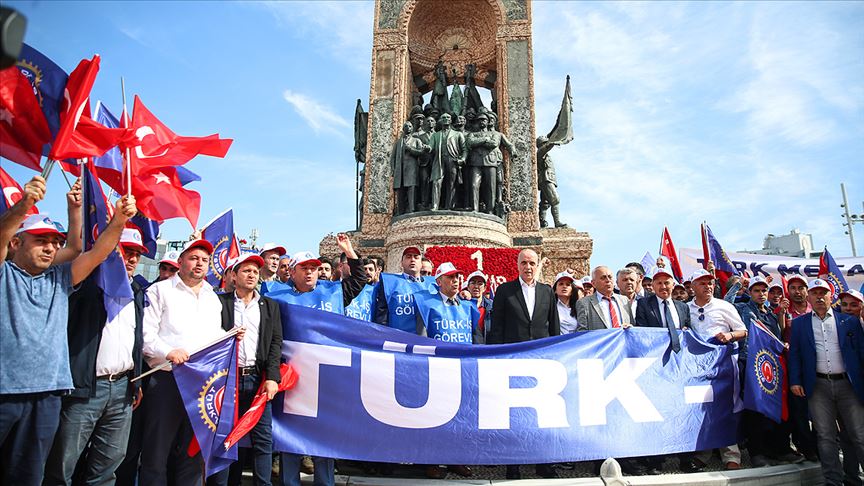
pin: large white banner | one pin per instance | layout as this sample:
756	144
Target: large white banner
852	267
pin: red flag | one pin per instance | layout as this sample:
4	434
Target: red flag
233	252
12	193
249	419
79	135
667	249
160	195
23	128
158	146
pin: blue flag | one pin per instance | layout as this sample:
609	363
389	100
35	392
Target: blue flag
373	393
49	82
829	271
649	263
721	260
186	176
763	374
112	160
111	274
219	233
149	233
208	385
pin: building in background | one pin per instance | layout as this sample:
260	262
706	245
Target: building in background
795	244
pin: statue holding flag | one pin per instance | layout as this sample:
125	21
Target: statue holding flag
547	183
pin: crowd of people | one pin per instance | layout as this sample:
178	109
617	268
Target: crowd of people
72	410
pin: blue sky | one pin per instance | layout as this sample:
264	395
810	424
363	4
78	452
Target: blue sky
747	115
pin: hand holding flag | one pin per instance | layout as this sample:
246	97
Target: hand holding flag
249	419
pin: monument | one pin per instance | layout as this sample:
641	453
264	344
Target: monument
441	168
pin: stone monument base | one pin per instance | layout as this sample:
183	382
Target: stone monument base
565	248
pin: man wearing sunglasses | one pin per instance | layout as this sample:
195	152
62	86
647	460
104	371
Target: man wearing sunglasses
715	320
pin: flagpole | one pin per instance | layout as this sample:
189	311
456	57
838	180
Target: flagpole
168	363
84	207
128	153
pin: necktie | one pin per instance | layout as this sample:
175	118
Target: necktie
451	301
670	325
613	314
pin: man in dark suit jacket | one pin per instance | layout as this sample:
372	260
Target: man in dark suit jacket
829	375
651	310
524	310
260	354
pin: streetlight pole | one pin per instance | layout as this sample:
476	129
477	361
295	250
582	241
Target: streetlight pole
849	219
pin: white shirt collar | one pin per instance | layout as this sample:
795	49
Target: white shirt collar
523	284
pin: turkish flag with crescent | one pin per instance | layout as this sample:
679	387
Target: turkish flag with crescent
159	195
12	193
158	146
79	136
667	249
23	128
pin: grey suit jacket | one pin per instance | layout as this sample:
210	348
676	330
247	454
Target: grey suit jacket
590	316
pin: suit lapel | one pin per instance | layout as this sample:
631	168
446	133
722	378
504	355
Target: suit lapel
596	306
655	309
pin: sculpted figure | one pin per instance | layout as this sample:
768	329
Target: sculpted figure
448	156
404	164
547	183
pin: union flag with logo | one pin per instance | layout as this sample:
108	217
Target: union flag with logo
208	385
764	377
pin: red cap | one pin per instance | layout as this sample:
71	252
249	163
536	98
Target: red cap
411	250
199	243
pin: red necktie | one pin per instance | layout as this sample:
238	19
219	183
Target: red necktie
613	314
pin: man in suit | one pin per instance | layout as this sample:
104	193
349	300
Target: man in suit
259	356
603	309
658	309
825	367
524	310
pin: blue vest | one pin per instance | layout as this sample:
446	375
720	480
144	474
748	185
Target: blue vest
326	296
398	292
362	305
448	323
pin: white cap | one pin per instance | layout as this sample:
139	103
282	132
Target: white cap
253	257
700	273
565	274
854	294
775	283
303	257
199	243
662	271
132	237
171	258
798	277
757	280
587	280
820	284
39	224
446	268
475	273
272	247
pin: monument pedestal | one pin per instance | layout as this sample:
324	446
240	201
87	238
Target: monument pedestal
413	42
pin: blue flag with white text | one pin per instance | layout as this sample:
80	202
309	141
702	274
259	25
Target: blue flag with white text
763	373
208	385
372	393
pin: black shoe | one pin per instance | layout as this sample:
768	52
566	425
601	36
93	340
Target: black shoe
546	471
513	472
631	467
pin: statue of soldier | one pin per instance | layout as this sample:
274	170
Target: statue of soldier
439	99
547	183
499	171
424	133
404	163
448	156
484	161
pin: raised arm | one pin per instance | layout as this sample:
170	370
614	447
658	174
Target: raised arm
74	239
107	241
34	191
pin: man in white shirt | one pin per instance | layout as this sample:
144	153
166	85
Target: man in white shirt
184	315
105	353
715	320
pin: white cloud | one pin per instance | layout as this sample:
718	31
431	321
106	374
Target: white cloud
342	29
319	117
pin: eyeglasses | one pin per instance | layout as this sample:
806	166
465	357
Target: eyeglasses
701	314
425	273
